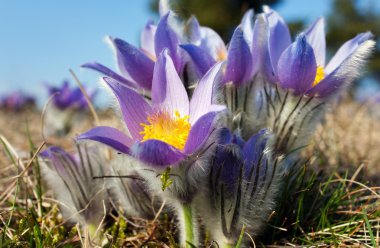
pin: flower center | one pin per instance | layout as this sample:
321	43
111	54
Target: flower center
172	130
222	55
319	76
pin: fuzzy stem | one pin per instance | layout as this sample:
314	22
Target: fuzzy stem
188	238
227	245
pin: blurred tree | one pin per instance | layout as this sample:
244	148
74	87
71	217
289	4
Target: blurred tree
221	15
347	19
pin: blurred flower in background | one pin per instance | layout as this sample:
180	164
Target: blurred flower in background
68	107
17	101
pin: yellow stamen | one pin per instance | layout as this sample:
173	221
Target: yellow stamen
221	54
172	130
319	76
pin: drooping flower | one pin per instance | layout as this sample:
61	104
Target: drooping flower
82	198
16	101
168	129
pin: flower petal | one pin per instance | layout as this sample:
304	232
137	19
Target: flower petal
134	63
133	106
211	42
279	37
345	73
166	38
168	91
228	164
297	66
109	136
163	7
202	61
201	100
193	31
157	153
199	133
247	24
254	147
346	50
260	53
147	39
108	72
315	36
239	59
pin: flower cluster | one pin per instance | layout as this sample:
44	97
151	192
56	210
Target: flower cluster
213	129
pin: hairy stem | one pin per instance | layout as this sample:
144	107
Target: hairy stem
188	237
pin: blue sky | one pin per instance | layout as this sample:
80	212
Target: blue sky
40	40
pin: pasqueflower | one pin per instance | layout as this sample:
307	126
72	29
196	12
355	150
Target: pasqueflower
168	129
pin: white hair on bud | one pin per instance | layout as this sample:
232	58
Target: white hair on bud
251	201
81	197
128	188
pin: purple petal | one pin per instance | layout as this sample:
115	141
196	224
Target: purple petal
49	153
133	106
134	63
260	53
60	159
247	25
166	38
147	39
200	58
347	50
239	60
211	42
108	72
345	73
297	66
109	136
168	91
228	163
254	147
279	37
201	100
157	153
193	30
315	36
199	133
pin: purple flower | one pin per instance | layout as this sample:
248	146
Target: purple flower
300	66
276	37
16	101
136	65
67	97
207	48
168	129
